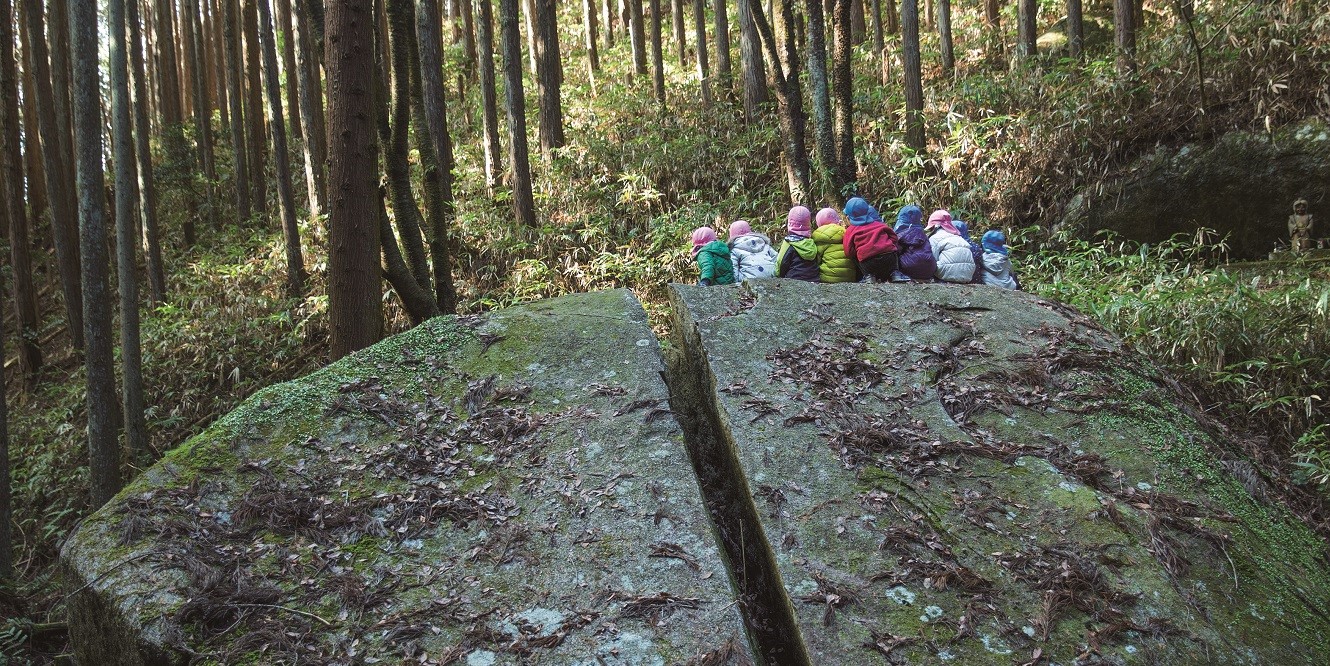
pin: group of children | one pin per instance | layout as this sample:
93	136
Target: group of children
866	249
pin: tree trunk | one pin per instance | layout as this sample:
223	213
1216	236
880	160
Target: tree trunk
202	111
147	185
354	312
680	34
258	194
842	90
549	77
235	95
529	14
216	62
294	123
824	139
992	15
488	101
750	60
858	27
1075	29
11	196
416	299
469	40
724	71
1027	28
700	36
295	261
657	61
914	86
55	146
879	41
784	77
38	203
131	356
607	18
635	33
589	27
1124	29
524	207
944	33
436	153
101	403
180	163
6	497
315	148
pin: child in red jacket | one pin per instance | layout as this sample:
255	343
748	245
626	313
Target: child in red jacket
869	243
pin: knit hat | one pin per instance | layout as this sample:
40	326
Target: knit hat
859	211
702	236
942	219
797	221
995	241
909	216
739	228
827	216
963	228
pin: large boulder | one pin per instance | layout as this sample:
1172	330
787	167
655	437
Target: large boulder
502	489
963	475
1243	186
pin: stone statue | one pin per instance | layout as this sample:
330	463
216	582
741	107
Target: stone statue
1300	227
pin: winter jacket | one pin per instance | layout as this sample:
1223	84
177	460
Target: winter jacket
752	257
797	259
832	264
713	262
954	261
997	271
869	240
917	260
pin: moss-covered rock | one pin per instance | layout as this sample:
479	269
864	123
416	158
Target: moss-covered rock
485	490
964	475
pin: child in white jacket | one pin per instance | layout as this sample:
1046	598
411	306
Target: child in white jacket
751	253
997	267
955	263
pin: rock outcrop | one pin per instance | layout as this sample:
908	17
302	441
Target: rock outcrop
1243	186
835	474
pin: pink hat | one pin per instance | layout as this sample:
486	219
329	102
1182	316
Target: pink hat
702	236
797	221
942	218
827	216
739	228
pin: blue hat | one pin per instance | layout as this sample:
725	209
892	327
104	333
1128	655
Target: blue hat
963	228
995	241
909	216
859	212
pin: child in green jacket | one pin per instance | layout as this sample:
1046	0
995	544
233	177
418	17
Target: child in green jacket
832	264
713	258
797	258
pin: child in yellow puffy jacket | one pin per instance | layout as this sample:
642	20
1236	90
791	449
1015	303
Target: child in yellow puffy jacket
832	264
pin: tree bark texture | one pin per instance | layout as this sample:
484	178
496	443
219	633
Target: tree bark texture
235	88
680	34
824	139
286	201
524	207
257	148
724	71
104	451
1027	32
436	152
784	77
294	124
700	36
549	77
150	237
315	147
1124	31
354	311
11	196
193	41
750	61
944	34
589	25
914	86
842	90
488	96
1075	28
636	35
657	61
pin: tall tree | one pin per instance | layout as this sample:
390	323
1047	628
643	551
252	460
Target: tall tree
784	78
287	26
34	172
87	107
488	102
608	20
257	148
944	34
750	62
354	311
638	39
914	85
235	87
57	151
724	72
549	77
1027	33
1124	30
468	40
878	37
193	42
657	62
1075	28
589	27
212	39
295	260
147	182
842	90
315	147
6	498
823	137
122	146
700	36
11	181
436	152
524	207
680	34
179	170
